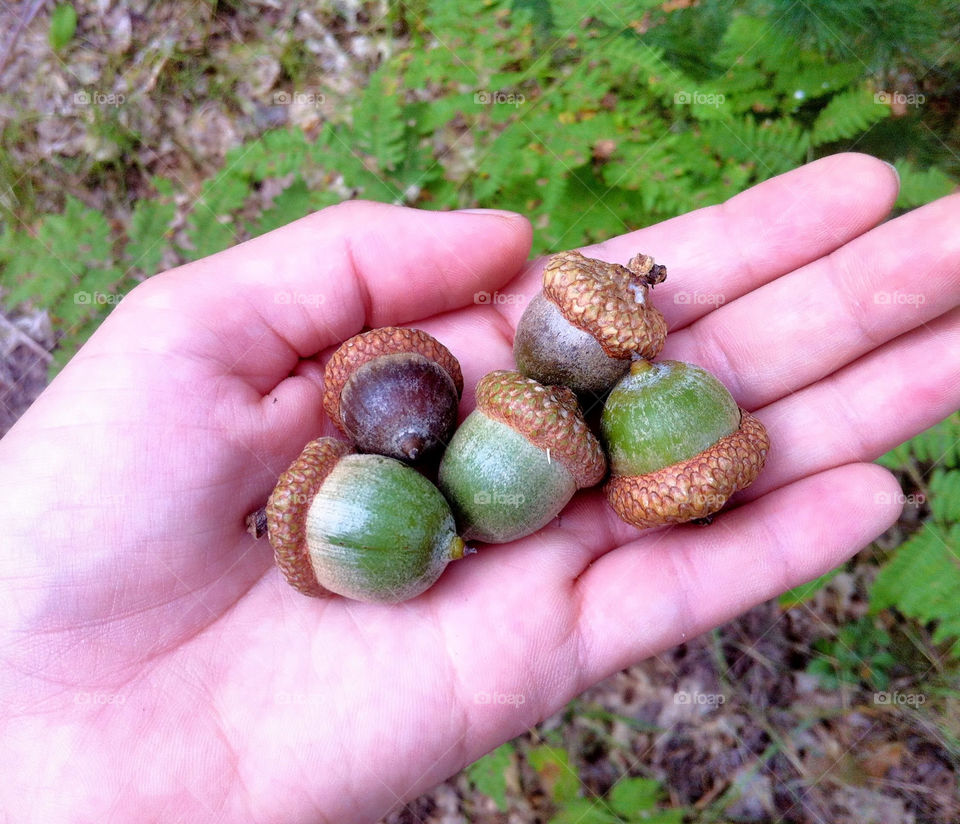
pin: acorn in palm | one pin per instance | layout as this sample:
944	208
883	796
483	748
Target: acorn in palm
589	321
366	527
678	444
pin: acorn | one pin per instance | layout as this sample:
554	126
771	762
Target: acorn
678	444
590	320
518	458
394	391
365	527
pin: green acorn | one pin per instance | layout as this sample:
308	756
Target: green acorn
365	527
679	446
518	458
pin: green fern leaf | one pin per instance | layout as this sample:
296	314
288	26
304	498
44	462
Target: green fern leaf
919	187
147	233
939	445
922	580
945	496
847	115
378	122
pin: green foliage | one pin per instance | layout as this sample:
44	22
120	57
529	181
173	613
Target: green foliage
921	578
631	800
63	25
938	445
558	777
489	774
858	654
591	125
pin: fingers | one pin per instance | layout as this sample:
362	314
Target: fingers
719	253
723	252
257	308
805	325
653	593
866	409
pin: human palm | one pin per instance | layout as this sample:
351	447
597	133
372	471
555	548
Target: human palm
153	665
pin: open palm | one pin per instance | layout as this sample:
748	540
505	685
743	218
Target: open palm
153	665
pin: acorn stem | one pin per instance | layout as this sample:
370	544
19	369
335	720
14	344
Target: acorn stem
640	365
648	272
458	548
257	522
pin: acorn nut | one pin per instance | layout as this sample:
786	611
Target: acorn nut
591	318
366	527
678	444
394	391
518	458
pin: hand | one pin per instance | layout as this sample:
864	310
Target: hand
155	666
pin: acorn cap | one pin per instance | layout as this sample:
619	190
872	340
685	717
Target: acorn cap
549	417
287	511
694	488
609	301
367	346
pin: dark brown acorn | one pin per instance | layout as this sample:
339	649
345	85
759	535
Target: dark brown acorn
394	391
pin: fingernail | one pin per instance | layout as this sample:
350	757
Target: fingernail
497	212
894	171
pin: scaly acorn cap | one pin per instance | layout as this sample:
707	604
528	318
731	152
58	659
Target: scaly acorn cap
367	346
694	488
609	301
287	511
549	417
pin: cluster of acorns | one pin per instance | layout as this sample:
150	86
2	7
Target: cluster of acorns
367	525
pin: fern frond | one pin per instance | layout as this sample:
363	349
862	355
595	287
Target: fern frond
918	187
847	115
922	580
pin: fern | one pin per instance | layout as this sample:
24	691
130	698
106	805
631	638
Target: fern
922	581
945	496
847	115
147	232
938	445
919	187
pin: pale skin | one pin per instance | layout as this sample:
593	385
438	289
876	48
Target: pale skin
155	667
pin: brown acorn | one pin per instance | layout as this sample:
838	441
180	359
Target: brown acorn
394	391
678	444
590	320
518	458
